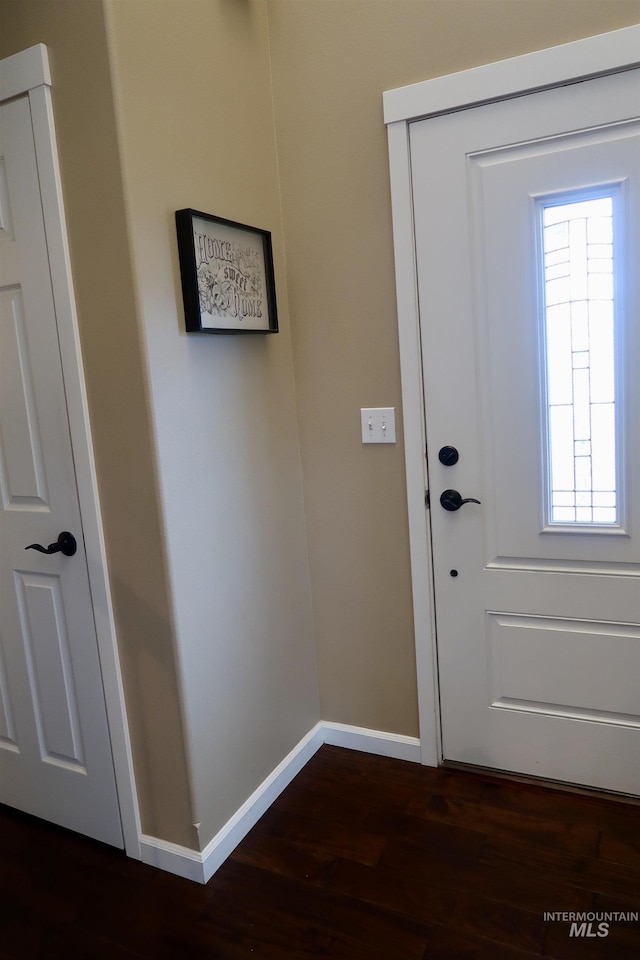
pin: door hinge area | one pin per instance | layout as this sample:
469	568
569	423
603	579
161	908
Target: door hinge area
427	499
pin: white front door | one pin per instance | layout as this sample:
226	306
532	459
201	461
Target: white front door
55	753
527	223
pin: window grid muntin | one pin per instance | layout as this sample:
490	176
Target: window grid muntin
577	281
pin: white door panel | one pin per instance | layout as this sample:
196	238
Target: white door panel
55	753
537	622
503	192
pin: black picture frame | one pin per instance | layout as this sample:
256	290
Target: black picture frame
226	270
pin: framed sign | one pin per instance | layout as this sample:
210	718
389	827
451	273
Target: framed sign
227	277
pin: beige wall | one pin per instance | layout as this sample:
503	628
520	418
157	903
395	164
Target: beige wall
192	82
331	63
74	33
208	562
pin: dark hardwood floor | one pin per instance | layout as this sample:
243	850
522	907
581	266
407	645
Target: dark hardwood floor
361	858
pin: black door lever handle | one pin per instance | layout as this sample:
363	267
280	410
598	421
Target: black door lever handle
452	500
66	544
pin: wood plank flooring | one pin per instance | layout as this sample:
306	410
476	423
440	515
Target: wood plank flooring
361	858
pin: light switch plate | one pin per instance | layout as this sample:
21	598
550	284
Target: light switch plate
378	424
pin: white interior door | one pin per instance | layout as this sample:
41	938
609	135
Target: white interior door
527	223
55	753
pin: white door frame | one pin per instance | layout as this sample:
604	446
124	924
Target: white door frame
28	73
542	70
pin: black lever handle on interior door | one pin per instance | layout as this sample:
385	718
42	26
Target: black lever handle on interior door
452	500
66	544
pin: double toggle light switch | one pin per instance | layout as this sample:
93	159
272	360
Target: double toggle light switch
378	424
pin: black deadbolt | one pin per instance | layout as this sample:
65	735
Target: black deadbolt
448	456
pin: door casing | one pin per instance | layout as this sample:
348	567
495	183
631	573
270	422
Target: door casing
542	70
28	72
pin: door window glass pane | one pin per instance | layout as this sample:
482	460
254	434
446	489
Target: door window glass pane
580	361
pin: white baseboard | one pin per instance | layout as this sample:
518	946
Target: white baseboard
200	867
235	829
371	741
173	858
193	865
